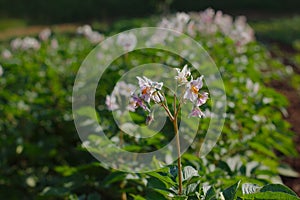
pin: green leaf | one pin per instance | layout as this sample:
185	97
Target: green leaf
261	148
180	198
224	166
137	197
229	193
165	193
210	194
249	188
165	179
55	191
190	180
87	112
189	172
94	196
270	195
278	188
156	183
287	171
173	170
66	170
114	177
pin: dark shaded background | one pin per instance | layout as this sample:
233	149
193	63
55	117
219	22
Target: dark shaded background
62	11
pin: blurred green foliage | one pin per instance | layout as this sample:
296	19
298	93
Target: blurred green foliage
41	153
282	30
12	23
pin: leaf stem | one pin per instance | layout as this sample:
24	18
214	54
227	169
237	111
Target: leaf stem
168	112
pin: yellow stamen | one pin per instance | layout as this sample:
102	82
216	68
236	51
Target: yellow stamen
194	89
144	91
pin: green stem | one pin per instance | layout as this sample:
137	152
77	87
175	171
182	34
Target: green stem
123	195
168	112
179	156
173	119
175	124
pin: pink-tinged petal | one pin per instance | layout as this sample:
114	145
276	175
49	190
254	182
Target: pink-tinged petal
190	95
131	107
196	112
182	75
202	98
157	85
142	82
138	102
192	89
125	89
111	103
146	97
157	97
149	88
198	83
178	70
186	71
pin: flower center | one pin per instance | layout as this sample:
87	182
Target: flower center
194	89
145	90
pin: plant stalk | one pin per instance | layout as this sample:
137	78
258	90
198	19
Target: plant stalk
179	156
174	121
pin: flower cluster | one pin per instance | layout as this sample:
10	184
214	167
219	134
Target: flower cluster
122	92
209	23
192	90
148	90
25	44
45	34
6	54
151	91
93	36
127	41
30	43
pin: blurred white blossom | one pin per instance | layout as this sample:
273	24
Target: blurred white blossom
209	22
54	44
182	17
16	43
25	44
127	40
45	34
1	70
30	43
111	102
93	36
122	93
84	30
6	54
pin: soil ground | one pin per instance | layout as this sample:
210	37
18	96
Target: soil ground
293	118
34	30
